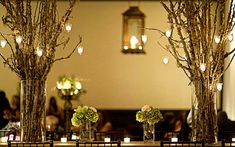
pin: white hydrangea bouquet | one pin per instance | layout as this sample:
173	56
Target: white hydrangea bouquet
149	114
84	114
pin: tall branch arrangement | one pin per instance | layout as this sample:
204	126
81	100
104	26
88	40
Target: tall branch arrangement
40	29
198	34
36	32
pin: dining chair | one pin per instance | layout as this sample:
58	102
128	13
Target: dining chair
114	135
30	144
98	143
182	144
227	143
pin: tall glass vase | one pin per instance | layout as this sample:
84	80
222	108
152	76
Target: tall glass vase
85	131
204	112
32	108
148	132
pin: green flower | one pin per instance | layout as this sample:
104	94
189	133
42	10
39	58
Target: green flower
149	114
83	114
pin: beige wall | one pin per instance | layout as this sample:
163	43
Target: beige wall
113	79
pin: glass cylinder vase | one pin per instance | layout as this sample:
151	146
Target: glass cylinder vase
203	112
32	108
85	131
148	132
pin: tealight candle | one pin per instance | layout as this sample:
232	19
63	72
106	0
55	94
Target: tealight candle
174	139
63	139
17	138
127	139
233	139
4	139
11	137
106	139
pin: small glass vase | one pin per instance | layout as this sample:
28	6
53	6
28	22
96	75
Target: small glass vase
148	132
85	132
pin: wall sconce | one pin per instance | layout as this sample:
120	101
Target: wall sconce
133	31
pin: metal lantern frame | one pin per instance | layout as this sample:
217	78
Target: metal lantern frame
133	31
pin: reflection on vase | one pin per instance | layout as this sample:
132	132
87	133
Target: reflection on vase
32	119
85	131
148	132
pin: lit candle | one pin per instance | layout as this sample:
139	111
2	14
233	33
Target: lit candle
63	139
233	139
17	138
11	137
4	139
106	139
127	139
174	139
133	42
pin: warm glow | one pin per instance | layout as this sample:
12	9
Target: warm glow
168	33
63	139
219	86
78	85
165	60
80	50
133	42
3	43
127	139
140	47
59	85
125	47
174	139
203	67
144	38
39	51
66	85
18	39
217	39
4	139
107	139
68	27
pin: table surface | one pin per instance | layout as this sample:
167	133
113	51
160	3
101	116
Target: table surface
131	144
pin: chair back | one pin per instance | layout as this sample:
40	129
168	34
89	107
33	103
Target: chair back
98	143
227	143
30	144
113	135
182	143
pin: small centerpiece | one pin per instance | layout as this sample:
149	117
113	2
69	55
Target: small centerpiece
82	118
149	116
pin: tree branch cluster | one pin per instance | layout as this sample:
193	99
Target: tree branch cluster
40	28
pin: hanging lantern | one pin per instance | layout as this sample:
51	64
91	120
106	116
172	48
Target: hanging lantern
133	31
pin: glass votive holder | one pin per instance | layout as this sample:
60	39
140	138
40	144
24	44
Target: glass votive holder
4	139
127	139
11	137
174	139
106	139
63	139
17	138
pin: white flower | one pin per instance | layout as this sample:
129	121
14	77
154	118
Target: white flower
146	108
93	109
